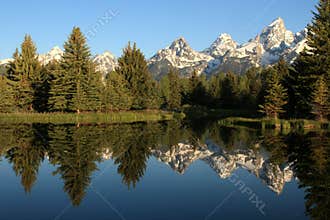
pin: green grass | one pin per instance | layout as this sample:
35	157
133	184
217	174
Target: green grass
198	112
72	118
279	124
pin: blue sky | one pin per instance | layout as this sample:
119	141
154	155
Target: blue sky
152	24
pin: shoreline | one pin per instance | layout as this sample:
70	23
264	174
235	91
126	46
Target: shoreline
275	124
74	118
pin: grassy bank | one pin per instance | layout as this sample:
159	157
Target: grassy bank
200	112
280	124
72	118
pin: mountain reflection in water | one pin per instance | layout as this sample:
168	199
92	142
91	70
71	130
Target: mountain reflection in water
76	152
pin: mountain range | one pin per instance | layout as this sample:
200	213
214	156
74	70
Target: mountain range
223	55
224	163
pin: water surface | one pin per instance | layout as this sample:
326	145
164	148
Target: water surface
167	170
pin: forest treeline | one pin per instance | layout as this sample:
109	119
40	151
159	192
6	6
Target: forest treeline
72	84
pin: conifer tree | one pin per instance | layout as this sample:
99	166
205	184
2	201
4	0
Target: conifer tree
76	87
254	86
313	62
7	103
229	90
275	96
116	95
321	106
23	71
165	90
174	99
197	89
133	68
215	88
41	86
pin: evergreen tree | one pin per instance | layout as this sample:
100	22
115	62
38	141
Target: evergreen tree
133	68
214	88
174	97
23	72
254	86
165	90
321	106
7	103
41	86
198	90
76	86
313	62
229	91
282	69
116	95
276	96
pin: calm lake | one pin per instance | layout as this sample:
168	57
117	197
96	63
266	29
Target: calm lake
170	170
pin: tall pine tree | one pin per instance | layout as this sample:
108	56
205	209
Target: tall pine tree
133	68
7	103
174	96
313	62
76	86
275	96
321	105
23	73
115	95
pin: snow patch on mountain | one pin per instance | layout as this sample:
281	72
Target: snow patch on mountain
180	55
106	62
6	61
225	55
221	46
55	53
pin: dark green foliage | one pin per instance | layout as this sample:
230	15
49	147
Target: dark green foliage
41	85
275	95
116	95
313	62
27	155
174	96
133	68
214	89
165	90
198	90
254	84
75	152
321	105
7	103
76	86
24	72
309	156
229	91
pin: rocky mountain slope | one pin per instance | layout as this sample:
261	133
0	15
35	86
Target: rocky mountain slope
105	62
225	54
181	56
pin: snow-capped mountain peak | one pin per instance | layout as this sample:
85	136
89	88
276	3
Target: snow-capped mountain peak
274	34
54	54
105	62
179	43
221	46
277	22
225	54
179	55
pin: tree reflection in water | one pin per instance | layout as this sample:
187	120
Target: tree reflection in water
75	152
